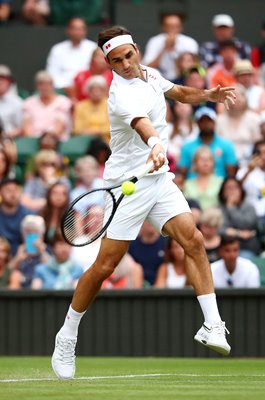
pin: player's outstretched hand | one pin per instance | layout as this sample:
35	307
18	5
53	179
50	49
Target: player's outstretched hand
224	95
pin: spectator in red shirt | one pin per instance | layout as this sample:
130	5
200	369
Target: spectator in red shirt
98	66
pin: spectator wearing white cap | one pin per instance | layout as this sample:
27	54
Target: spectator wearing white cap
246	75
163	50
222	149
223	29
10	104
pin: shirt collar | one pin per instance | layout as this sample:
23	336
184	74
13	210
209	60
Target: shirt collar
120	79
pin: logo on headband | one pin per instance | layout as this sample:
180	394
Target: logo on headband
108	46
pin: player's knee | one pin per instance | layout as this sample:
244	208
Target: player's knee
107	267
195	243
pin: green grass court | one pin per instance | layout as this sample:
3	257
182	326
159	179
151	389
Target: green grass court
134	378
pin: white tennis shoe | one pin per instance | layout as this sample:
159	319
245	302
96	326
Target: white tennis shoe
214	337
63	358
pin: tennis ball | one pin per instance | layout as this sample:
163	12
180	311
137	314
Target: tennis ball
128	188
263	191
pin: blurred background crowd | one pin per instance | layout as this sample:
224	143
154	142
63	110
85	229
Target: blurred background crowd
54	142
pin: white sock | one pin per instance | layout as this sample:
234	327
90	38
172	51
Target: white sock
209	308
71	323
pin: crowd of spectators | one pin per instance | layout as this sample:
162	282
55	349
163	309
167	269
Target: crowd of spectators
217	155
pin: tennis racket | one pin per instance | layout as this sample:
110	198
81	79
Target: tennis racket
82	223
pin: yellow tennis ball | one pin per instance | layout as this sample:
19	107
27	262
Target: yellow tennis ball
263	191
128	188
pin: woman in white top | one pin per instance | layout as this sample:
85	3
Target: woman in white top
171	274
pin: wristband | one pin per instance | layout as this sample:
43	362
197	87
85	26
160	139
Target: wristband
153	140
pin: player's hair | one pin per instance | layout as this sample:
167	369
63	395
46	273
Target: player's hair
110	33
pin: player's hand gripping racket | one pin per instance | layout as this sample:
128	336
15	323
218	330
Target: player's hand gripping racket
82	223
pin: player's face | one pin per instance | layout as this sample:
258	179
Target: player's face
124	60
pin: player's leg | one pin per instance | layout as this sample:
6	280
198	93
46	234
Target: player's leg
171	214
110	253
182	228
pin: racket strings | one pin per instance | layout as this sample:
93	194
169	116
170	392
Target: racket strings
84	221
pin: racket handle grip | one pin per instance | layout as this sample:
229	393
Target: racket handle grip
146	168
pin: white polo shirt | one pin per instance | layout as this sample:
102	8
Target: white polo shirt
65	61
129	99
167	65
245	275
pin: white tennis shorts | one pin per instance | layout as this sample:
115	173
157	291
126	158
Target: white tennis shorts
156	199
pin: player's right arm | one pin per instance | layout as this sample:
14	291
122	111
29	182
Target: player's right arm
146	130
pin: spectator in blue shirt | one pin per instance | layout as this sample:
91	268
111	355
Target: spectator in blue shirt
222	149
223	29
59	272
12	212
148	250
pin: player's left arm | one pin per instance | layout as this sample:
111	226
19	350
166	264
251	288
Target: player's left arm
186	94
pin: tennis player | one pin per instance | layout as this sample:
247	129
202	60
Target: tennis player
137	111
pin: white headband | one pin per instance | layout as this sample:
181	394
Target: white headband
115	42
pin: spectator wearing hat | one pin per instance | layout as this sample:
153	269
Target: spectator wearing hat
240	125
91	115
71	56
10	105
12	212
5	10
162	50
47	111
222	149
233	271
222	73
223	29
245	75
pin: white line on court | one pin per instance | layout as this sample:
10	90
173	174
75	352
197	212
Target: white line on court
93	378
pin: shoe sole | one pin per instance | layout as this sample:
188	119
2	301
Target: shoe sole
218	349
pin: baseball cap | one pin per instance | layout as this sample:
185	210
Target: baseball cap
222	20
243	67
205	111
5	71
